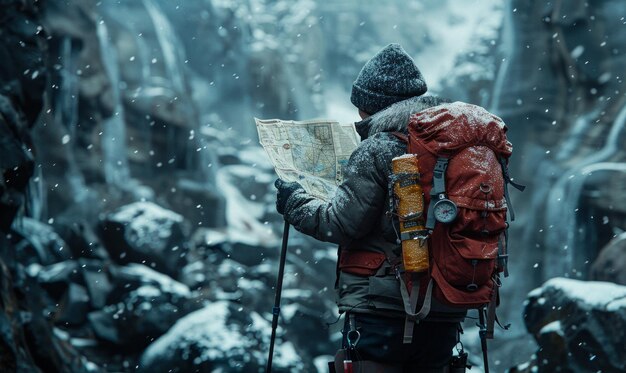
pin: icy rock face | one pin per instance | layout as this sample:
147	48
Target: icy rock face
121	113
144	232
579	326
27	341
611	263
565	122
21	100
219	337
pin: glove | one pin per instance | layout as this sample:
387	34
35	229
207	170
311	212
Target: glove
285	190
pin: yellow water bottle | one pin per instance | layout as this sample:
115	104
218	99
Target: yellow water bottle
410	211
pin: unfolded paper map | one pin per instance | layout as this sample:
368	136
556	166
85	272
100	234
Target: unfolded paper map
313	153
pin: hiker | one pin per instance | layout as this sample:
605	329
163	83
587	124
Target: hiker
388	90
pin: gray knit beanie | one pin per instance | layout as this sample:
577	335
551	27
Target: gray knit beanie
390	76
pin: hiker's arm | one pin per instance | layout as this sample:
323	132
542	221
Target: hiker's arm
355	208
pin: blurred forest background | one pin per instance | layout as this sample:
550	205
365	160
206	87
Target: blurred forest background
137	209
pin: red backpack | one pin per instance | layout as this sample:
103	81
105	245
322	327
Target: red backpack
463	154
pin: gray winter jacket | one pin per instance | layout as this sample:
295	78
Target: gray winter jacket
356	218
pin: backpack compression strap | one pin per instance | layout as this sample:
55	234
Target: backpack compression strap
503	240
503	255
507	181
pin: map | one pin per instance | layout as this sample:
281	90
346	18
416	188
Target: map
313	153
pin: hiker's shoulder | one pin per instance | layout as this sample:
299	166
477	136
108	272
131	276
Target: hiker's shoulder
380	143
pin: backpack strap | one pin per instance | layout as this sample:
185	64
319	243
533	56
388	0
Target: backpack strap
491	308
410	302
438	189
503	255
403	137
507	181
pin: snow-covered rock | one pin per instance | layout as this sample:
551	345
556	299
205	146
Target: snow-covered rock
144	232
143	305
221	337
579	326
136	275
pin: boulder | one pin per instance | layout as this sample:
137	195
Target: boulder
91	274
220	337
74	306
82	240
208	248
144	232
28	341
132	276
56	278
143	305
96	281
579	326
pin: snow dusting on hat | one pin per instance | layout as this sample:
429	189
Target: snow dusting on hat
390	76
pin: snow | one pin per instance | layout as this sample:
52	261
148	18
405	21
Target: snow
206	328
476	115
230	267
165	282
296	293
147	291
52	271
330	253
245	283
288	311
33	269
596	294
242	215
616	305
405	156
148	223
211	237
577	52
287	356
321	363
256	157
212	336
553	327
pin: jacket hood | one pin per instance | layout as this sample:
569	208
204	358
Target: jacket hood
396	117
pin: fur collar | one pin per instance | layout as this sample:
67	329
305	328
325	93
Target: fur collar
396	116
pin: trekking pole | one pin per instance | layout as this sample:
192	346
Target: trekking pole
279	287
483	337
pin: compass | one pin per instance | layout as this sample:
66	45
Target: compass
445	210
